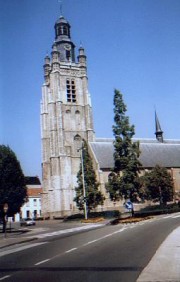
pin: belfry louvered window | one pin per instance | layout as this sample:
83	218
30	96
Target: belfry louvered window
71	90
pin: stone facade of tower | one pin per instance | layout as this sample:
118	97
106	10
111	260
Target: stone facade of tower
66	119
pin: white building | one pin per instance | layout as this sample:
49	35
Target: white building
32	208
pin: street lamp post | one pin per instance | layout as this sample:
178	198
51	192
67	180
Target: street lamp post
83	182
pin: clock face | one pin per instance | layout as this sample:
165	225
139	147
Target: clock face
67	47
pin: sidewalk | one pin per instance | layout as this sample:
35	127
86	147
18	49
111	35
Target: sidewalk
12	238
165	264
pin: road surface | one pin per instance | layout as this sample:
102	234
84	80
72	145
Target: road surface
109	253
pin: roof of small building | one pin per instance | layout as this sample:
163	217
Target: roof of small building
32	180
166	154
34	192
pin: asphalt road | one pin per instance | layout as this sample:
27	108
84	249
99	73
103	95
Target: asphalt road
111	253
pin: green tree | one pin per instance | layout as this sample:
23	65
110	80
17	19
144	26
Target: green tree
93	196
12	182
123	182
158	185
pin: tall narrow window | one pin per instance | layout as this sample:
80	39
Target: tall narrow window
68	54
65	31
71	90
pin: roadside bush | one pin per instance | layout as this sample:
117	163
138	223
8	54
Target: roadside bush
104	214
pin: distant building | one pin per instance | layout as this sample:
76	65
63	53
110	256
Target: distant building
32	208
66	119
165	154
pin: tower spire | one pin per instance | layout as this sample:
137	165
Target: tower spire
60	6
159	132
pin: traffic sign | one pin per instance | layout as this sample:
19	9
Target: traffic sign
129	205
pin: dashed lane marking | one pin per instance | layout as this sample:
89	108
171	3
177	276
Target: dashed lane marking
5	277
71	250
41	262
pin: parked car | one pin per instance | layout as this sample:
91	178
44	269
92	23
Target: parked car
27	222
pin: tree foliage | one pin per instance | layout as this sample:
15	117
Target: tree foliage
124	180
93	196
158	185
12	181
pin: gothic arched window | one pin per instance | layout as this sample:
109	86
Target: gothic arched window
77	137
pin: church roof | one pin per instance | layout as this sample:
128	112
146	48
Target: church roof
166	154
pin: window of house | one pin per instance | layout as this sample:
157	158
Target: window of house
35	213
71	91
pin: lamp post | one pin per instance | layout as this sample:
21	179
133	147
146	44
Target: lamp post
83	182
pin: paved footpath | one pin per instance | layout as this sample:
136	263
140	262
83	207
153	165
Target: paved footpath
165	264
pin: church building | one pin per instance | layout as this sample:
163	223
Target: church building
66	119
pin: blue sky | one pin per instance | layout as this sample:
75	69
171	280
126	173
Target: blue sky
131	45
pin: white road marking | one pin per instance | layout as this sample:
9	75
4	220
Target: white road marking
43	261
90	242
176	216
120	230
106	236
71	250
65	231
3	253
5	277
168	216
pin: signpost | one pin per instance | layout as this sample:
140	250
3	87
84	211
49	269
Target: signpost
5	209
129	206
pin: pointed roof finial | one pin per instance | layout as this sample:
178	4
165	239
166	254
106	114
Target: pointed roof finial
60	6
159	132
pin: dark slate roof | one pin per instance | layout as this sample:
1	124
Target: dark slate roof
166	154
32	180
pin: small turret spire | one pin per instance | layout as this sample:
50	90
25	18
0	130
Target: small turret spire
159	132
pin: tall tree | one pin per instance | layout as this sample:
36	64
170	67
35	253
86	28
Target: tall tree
86	177
123	182
158	185
12	181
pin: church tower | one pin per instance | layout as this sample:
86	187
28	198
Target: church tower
66	119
